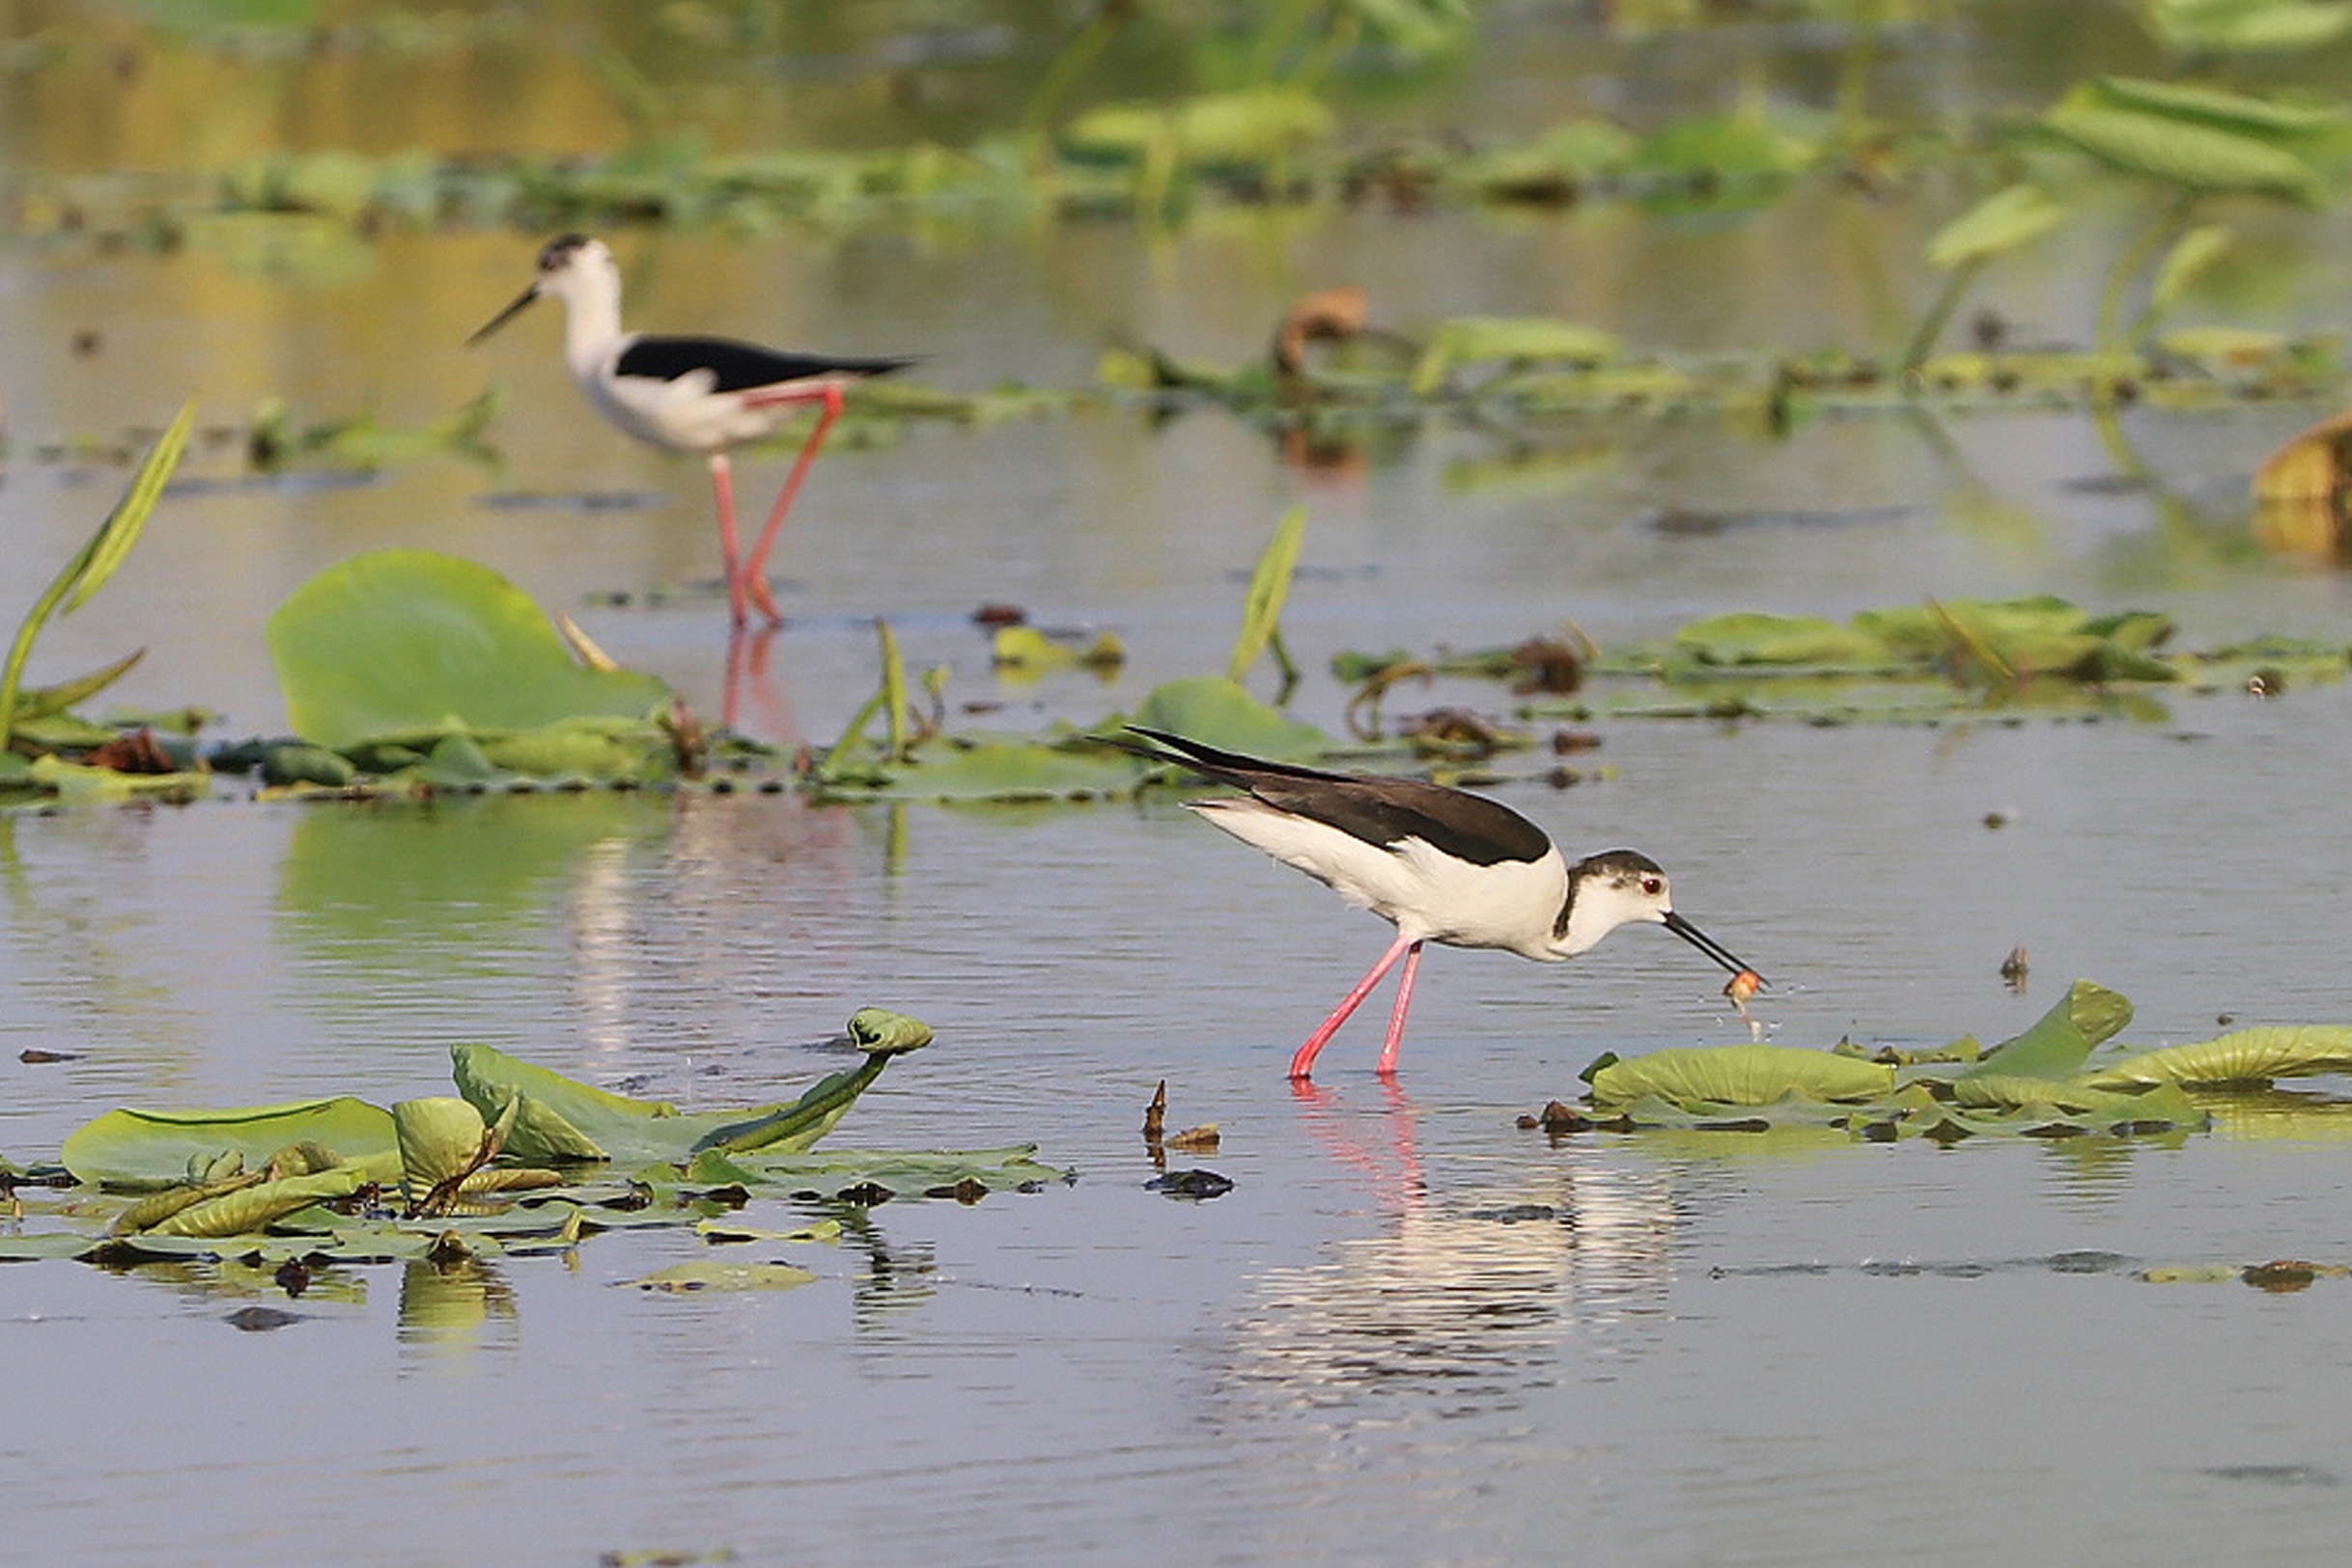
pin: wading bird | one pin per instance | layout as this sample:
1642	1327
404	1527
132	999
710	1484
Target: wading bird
1439	864
704	395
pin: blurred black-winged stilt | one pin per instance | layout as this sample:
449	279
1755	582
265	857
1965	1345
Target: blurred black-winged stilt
703	395
1439	864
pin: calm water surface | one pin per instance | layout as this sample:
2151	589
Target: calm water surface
1412	1332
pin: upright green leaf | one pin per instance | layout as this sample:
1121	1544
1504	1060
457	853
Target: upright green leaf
2188	258
2000	223
2246	26
2213	142
2058	1043
96	561
1269	588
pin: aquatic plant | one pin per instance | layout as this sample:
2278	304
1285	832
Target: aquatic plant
2035	1084
522	1157
409	662
2019	658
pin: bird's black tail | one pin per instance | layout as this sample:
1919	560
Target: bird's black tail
1210	762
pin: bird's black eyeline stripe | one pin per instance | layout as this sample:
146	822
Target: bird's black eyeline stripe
1624	862
1379	811
737	366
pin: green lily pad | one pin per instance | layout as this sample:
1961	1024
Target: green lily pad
2245	1057
139	1149
711	1273
1740	1076
1008	769
1751	637
411	643
1222	714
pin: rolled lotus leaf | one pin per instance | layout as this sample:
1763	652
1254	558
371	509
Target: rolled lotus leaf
878	1031
2060	1041
252	1209
155	1208
441	1142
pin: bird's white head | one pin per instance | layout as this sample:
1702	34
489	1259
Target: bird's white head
581	272
1610	889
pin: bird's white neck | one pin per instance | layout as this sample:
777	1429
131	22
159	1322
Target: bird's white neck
591	293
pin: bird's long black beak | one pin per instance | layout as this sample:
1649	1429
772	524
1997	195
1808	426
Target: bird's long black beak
505	316
1707	944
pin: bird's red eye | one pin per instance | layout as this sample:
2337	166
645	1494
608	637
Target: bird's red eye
1653	885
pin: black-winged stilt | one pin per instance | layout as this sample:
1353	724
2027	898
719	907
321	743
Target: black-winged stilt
703	395
1439	864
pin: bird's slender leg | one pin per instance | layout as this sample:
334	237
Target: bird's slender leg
723	484
755	567
1396	1013
1303	1061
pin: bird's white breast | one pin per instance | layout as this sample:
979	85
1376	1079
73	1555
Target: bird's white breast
682	414
1430	896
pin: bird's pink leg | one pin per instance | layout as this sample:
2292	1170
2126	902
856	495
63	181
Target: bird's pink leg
723	484
1303	1061
755	568
1396	1013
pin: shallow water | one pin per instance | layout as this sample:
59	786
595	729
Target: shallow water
1413	1333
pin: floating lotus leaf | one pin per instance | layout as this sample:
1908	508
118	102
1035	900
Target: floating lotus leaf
710	1274
152	1148
2164	1105
727	1232
1003	769
42	1246
2062	1039
1220	713
1740	1076
411	643
918	1172
2250	1057
1751	637
1517	339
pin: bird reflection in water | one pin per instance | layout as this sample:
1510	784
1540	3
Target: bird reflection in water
1459	1304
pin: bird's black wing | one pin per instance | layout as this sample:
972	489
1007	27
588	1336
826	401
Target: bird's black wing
1378	810
738	365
